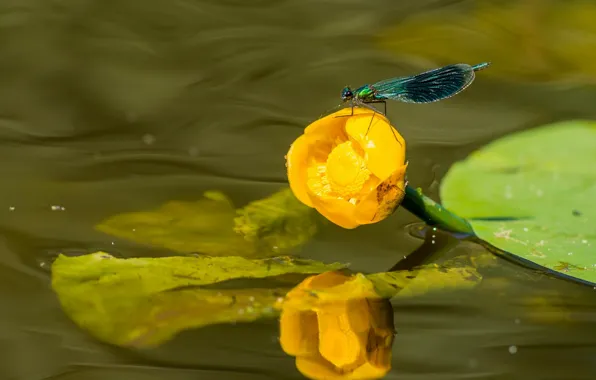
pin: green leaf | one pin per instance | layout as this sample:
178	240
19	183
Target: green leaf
532	194
212	226
144	301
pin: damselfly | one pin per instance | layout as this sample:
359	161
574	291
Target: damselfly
430	86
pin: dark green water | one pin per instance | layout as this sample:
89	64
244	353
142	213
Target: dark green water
115	106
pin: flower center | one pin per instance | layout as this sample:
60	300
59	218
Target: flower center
346	170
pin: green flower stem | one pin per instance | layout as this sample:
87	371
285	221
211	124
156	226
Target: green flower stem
433	213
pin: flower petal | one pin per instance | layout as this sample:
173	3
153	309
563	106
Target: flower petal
339	343
322	281
297	166
298	335
334	123
317	368
338	211
382	202
384	147
367	371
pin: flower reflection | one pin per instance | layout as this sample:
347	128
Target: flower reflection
345	337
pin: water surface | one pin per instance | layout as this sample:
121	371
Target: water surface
115	106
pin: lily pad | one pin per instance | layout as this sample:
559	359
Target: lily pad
532	194
145	301
212	226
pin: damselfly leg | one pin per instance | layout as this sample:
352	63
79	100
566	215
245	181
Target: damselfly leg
375	111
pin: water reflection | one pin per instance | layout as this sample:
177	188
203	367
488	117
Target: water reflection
337	339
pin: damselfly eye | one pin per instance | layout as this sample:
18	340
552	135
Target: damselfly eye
346	93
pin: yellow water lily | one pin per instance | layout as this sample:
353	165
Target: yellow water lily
337	337
350	168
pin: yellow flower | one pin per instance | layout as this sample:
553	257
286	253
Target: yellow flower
351	171
335	337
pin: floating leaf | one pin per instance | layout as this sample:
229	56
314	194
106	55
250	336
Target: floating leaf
532	194
530	40
212	226
144	301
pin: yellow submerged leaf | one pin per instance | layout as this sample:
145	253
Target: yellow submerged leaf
213	226
280	221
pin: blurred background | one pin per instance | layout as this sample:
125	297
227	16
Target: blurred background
116	106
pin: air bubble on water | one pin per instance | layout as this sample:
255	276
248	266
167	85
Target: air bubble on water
508	193
432	242
434	228
57	208
512	350
584	241
251	299
131	116
280	299
148	139
193	151
11	208
134	230
113	243
526	229
42	264
569	253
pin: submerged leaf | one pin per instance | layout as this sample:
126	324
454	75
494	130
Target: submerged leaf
205	226
212	226
279	221
144	301
532	194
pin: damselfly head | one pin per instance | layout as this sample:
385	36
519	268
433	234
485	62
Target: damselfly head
347	94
